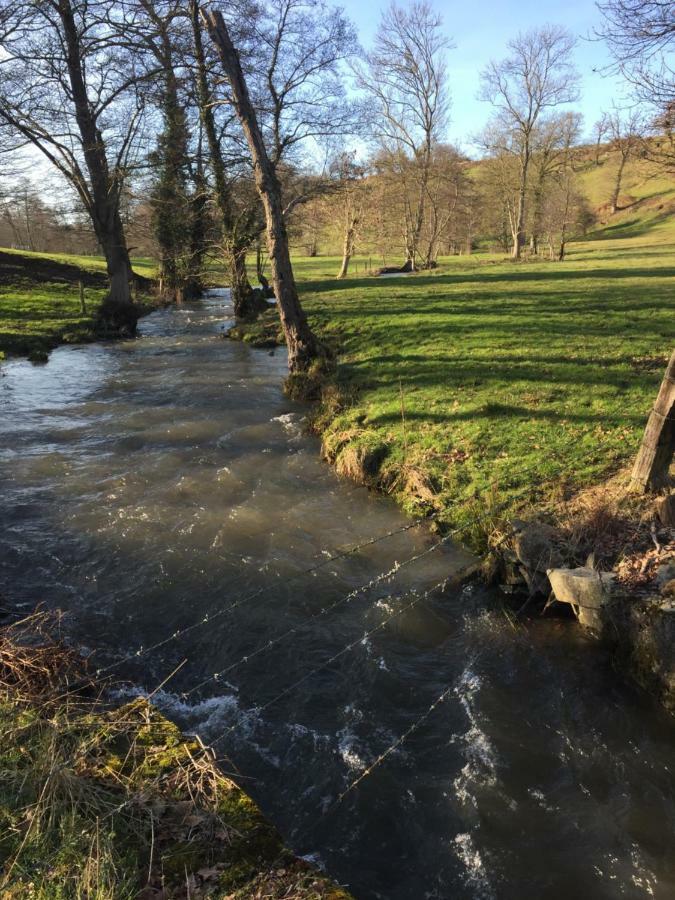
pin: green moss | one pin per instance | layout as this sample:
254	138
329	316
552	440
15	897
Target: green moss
92	800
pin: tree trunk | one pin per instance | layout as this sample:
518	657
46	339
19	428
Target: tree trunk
247	302
614	200
198	226
348	247
519	218
537	200
652	466
303	347
105	189
419	212
239	283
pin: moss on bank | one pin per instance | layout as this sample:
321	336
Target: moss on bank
117	803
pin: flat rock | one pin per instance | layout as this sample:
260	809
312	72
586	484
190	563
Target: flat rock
586	590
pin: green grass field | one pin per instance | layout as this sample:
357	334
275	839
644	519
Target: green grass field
535	374
40	305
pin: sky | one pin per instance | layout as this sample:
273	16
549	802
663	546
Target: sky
480	30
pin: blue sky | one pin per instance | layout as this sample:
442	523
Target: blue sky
480	30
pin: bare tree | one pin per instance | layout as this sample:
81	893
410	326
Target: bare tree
600	130
640	35
625	129
552	141
303	347
70	91
537	76
352	196
406	76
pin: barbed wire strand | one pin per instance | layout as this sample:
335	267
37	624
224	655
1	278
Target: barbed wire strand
210	617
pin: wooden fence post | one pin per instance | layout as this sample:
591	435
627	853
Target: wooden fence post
650	472
83	305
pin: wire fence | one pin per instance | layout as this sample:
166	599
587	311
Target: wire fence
329	557
413	597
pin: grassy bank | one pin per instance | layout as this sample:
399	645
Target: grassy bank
115	803
533	375
40	302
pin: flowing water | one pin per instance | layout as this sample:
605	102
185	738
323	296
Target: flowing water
150	484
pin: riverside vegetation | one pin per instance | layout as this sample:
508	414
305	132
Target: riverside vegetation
97	801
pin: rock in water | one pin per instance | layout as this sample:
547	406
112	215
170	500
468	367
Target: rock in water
586	590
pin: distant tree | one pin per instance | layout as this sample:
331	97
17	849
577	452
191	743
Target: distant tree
351	196
405	74
551	144
626	132
537	76
660	147
563	206
600	130
499	188
446	191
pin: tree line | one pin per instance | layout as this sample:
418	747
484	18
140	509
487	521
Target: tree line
221	131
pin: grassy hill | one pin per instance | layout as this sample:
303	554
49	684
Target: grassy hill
646	201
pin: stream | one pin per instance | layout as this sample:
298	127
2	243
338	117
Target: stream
166	483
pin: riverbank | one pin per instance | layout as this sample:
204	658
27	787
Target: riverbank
115	802
522	383
484	394
40	304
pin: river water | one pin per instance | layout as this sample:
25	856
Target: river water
152	484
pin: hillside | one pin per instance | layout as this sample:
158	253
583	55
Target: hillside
646	200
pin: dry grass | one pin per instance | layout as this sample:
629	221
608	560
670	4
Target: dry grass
113	803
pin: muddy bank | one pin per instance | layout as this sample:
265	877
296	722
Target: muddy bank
609	560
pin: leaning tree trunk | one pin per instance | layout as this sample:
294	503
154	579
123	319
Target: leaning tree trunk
303	347
652	466
104	202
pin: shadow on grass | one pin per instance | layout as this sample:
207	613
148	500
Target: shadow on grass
505	411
